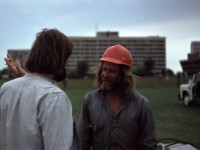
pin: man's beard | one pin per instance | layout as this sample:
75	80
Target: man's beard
108	85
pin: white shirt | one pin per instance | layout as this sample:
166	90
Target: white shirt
35	115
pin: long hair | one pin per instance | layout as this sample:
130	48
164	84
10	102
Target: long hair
126	80
49	53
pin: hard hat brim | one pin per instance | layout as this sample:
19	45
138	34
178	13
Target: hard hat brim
115	61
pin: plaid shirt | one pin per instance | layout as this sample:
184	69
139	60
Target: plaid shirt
132	128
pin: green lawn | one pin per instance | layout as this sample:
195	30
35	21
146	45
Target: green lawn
173	119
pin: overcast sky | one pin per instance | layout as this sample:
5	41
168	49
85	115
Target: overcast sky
177	20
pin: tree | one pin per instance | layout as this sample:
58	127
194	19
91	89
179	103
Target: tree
82	68
170	72
4	73
148	66
139	71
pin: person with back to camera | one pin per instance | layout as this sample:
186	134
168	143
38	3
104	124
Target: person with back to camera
116	116
35	113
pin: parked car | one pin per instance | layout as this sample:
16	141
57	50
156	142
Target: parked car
174	144
190	93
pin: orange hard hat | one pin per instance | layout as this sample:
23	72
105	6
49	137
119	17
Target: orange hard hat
117	54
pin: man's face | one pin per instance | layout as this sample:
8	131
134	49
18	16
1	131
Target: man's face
110	77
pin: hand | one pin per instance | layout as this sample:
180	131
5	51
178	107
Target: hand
14	65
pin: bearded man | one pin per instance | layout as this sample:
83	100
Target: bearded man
116	116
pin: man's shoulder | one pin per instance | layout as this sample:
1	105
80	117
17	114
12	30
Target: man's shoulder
92	96
31	83
138	94
92	93
11	83
141	101
140	97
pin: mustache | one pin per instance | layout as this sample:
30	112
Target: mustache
106	80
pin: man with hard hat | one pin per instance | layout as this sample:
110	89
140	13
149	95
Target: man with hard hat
116	116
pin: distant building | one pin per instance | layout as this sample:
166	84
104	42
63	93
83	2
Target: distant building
192	64
90	49
195	46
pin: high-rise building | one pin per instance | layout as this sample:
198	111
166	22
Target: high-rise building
90	49
192	64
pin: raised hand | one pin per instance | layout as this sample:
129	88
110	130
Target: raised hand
14	65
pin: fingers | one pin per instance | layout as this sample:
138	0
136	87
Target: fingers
11	65
17	64
19	69
14	65
9	56
9	60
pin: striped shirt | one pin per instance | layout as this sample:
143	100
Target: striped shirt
132	128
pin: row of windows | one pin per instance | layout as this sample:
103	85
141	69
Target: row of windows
93	48
90	41
87	45
134	50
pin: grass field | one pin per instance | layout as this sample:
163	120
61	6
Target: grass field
173	119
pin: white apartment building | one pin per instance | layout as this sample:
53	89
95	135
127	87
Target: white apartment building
90	49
